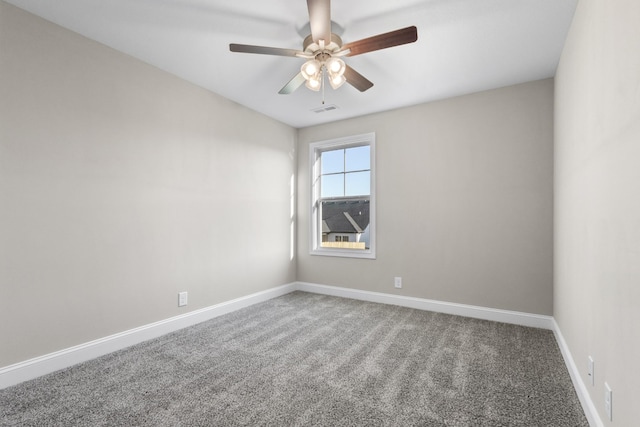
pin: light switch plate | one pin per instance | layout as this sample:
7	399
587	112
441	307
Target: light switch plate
182	299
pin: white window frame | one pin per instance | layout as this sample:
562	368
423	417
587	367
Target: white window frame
315	222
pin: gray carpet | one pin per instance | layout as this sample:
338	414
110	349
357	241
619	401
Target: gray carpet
305	359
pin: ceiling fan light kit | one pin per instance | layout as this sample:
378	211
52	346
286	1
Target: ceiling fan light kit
323	51
313	71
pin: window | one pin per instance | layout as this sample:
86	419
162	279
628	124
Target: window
343	197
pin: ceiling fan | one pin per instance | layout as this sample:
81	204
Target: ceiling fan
323	51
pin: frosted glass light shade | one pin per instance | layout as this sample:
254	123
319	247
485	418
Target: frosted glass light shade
335	66
336	81
310	69
314	83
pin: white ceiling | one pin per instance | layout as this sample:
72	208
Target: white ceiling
463	46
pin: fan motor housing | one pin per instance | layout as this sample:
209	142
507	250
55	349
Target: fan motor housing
311	47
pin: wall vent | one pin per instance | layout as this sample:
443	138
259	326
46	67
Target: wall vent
325	108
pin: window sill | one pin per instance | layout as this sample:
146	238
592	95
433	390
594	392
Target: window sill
343	253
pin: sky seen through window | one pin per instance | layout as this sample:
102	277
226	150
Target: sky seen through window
346	172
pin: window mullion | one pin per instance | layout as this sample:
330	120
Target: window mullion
344	170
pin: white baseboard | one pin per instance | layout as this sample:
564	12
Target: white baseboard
497	315
588	407
32	368
29	369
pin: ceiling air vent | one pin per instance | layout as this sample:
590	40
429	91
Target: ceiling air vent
325	108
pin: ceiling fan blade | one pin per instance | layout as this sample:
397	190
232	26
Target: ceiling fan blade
356	79
293	84
382	41
320	20
247	48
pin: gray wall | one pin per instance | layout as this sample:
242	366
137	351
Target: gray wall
464	201
121	185
597	200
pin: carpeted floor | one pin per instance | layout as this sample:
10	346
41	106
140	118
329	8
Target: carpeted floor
306	359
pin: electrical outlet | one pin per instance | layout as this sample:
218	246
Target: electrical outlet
608	401
182	299
397	282
590	371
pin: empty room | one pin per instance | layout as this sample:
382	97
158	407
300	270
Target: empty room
331	212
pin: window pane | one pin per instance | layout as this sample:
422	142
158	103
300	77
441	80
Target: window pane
357	158
358	183
332	185
332	161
